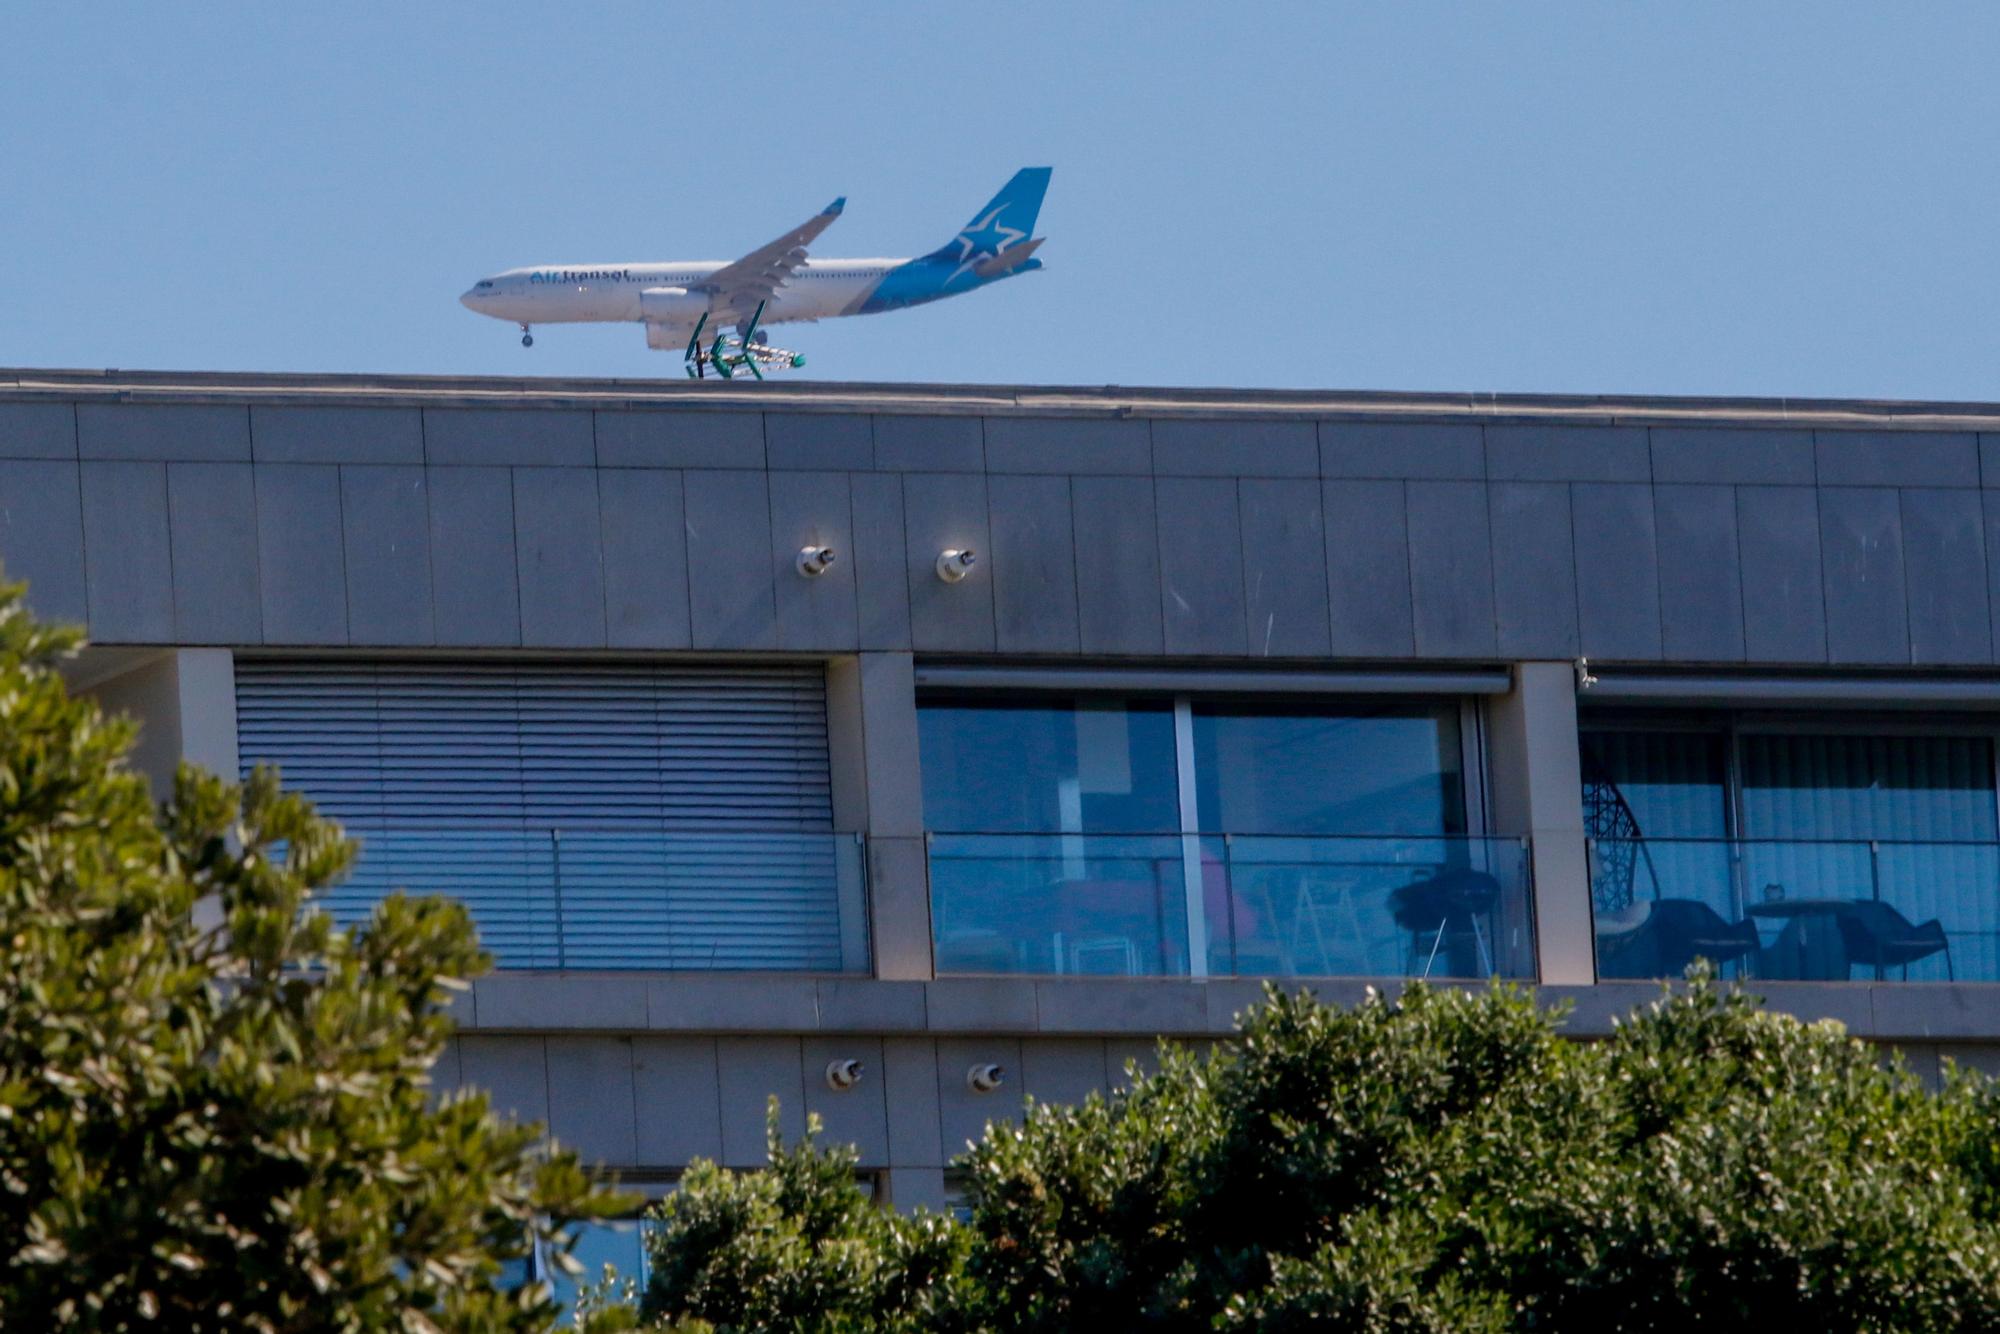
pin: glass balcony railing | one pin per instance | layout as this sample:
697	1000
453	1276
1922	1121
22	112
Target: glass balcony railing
1175	905
1785	909
568	898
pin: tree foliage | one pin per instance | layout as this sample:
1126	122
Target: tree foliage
799	1246
230	1126
1444	1161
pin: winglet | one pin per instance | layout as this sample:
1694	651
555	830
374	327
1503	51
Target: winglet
833	210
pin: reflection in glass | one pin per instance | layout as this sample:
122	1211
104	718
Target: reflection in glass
1858	856
1329	840
1322	907
1348	768
1922	789
1112	904
1659	901
1089	765
618	1242
1115	904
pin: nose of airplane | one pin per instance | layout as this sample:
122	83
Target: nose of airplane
470	299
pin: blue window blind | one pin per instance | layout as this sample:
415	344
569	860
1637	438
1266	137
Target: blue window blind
590	816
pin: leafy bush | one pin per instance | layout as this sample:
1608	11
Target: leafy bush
799	1246
1446	1161
229	1128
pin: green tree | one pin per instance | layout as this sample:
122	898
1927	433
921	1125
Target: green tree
231	1127
1442	1162
799	1246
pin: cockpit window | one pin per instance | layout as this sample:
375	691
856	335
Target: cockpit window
484	282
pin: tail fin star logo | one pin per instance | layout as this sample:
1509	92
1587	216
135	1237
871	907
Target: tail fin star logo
983	239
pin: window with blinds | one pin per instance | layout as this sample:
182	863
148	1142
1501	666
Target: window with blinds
590	816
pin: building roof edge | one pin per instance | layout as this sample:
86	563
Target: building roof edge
1110	401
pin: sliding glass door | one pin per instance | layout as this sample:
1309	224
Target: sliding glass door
1793	850
1210	836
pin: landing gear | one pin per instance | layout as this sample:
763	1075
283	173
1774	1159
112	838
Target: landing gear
527	339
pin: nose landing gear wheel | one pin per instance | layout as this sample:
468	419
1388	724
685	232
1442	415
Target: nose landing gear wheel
527	339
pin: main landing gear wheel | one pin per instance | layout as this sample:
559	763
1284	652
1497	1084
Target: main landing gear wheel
527	339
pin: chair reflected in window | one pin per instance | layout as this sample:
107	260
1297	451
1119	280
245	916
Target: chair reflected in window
1642	931
1661	937
1879	937
1450	920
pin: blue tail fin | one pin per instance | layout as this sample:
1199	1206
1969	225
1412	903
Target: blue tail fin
1008	217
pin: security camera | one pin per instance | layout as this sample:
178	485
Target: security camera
953	564
984	1078
814	561
843	1075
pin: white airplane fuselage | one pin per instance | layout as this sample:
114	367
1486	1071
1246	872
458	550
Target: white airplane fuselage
612	293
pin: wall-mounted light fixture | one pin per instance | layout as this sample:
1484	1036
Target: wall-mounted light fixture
843	1075
985	1077
815	561
953	564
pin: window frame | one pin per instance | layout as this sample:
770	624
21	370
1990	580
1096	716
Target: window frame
1732	725
1472	757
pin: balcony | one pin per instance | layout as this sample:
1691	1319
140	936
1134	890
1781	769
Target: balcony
1204	905
1794	909
631	899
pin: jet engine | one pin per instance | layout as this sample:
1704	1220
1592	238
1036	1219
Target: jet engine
671	314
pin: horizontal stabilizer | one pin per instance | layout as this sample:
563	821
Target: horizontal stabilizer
1009	259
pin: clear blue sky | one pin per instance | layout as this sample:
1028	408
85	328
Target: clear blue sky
1778	199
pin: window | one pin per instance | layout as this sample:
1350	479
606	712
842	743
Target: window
1091	765
1908	788
1159	835
1328	769
617	1242
1782	850
589	816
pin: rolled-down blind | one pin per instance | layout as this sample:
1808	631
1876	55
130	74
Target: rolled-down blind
590	816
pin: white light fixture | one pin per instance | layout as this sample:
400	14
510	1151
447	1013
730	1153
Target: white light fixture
954	564
843	1075
985	1077
815	561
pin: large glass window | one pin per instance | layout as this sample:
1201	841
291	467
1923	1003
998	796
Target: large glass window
1791	852
1037	766
1907	788
1328	769
1060	852
1170	836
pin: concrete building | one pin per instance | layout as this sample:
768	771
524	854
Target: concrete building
1234	685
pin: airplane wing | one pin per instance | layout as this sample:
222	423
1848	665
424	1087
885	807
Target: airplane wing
740	286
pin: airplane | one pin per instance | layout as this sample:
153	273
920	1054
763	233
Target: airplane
773	284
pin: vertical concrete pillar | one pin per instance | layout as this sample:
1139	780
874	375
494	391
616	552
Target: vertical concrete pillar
878	791
184	701
205	691
1537	790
